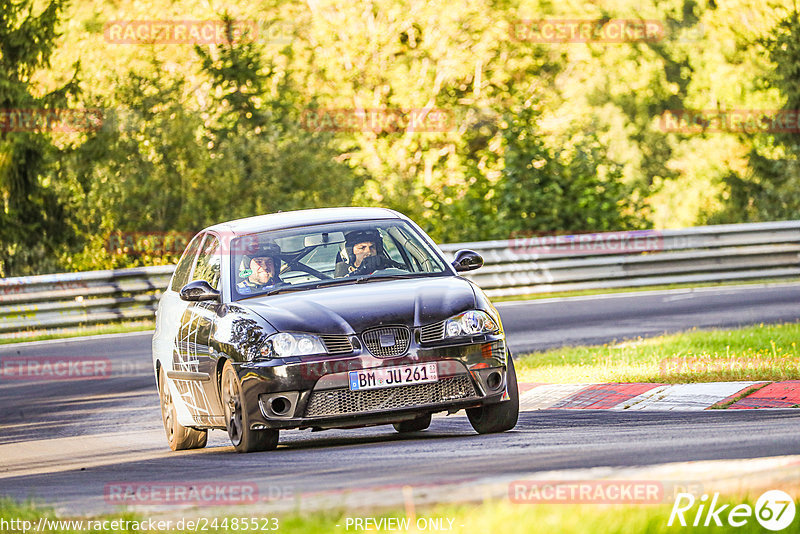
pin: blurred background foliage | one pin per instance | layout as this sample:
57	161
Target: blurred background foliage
545	137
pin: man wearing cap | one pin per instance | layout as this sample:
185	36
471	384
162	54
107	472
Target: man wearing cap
362	248
259	271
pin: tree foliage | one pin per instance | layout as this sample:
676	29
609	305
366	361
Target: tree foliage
770	188
163	163
540	136
32	214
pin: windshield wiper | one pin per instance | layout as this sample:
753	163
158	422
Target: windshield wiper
336	282
380	277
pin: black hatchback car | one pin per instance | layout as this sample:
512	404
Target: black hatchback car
330	318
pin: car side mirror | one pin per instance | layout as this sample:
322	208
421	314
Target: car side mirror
199	290
467	260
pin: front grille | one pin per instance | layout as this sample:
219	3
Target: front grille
337	344
344	402
387	341
432	332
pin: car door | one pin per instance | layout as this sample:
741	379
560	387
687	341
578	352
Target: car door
193	365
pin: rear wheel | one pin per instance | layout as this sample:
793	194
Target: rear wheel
414	425
179	437
501	416
244	439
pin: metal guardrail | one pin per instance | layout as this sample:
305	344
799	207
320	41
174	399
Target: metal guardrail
597	261
70	299
518	266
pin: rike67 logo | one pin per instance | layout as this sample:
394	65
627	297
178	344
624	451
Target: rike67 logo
774	510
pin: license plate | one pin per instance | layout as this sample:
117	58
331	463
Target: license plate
386	377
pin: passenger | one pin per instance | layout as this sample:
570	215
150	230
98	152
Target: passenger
260	270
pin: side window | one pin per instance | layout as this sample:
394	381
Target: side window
184	267
208	262
396	242
391	248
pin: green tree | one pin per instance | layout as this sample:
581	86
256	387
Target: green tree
540	189
264	158
570	189
770	190
32	218
165	163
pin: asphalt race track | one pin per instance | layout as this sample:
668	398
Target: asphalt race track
63	442
534	325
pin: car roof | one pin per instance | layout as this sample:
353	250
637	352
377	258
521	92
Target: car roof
293	219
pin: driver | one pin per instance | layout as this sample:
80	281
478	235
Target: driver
259	270
364	250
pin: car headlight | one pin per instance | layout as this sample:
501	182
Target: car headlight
469	323
284	344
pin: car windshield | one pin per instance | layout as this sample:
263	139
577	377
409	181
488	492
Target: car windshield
315	256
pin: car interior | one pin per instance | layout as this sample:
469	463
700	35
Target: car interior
320	255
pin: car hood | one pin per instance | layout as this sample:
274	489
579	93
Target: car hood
353	308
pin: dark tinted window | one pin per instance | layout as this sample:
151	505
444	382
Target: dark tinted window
184	267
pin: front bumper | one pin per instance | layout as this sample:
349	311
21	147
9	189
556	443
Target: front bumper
314	392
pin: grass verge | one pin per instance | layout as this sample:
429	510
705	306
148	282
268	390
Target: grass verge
763	352
490	516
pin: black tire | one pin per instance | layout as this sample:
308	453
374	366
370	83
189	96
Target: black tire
413	425
243	438
179	437
501	416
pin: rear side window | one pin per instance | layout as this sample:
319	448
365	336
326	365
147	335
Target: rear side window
184	267
208	262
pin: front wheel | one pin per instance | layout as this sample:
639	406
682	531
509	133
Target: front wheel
178	436
244	439
501	416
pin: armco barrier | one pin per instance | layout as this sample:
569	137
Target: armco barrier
69	299
512	267
691	255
